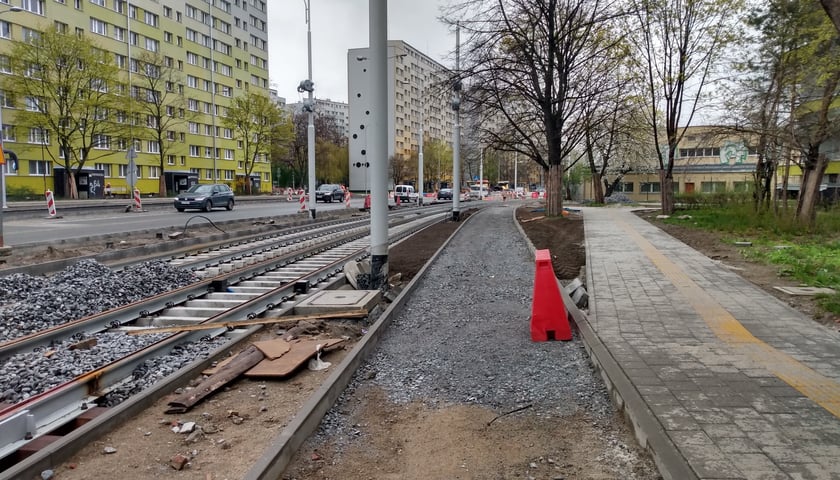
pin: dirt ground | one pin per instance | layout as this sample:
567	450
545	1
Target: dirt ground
411	442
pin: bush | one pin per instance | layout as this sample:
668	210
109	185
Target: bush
618	198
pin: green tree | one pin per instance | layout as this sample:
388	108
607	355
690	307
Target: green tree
254	119
72	94
163	106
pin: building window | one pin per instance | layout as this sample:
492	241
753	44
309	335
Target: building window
712	187
9	133
170	159
102	142
39	167
208	174
105	167
33	104
101	3
98	26
5	29
649	187
151	19
625	187
152	146
34	6
154	171
195	150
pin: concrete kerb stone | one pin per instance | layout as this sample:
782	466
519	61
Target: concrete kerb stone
648	431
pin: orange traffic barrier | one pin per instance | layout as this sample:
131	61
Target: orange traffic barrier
549	319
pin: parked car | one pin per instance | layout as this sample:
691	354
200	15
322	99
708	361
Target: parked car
329	192
205	197
444	194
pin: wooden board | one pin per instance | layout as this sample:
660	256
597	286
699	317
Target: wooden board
273	349
300	352
212	370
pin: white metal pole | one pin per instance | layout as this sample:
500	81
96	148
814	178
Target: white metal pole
481	176
310	129
420	144
456	132
378	142
515	171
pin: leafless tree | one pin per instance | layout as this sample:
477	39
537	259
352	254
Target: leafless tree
677	43
532	69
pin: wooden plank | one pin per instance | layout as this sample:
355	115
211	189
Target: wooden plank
244	361
301	351
273	349
212	370
290	320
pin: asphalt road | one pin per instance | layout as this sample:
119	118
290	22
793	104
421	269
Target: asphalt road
23	224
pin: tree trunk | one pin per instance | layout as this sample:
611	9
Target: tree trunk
554	192
597	188
72	191
162	185
809	191
666	187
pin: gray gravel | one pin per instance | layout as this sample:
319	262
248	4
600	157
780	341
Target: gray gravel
32	303
464	336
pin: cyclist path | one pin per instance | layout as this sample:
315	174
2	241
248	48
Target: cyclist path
721	379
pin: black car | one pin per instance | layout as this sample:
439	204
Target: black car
205	197
444	194
329	192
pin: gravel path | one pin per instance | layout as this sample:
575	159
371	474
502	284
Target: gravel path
464	338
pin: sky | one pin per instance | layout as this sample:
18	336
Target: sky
339	25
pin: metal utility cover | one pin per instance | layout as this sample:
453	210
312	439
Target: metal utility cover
328	301
804	290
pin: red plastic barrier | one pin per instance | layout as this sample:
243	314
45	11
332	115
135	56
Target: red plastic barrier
549	319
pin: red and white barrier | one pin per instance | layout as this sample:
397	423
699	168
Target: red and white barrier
347	196
138	205
289	194
50	202
302	203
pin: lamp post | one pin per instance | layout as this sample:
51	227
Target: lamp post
3	248
420	135
309	105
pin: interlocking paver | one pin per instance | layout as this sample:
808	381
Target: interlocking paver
743	386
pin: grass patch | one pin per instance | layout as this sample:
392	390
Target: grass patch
811	256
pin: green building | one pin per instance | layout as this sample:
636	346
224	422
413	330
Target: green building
219	50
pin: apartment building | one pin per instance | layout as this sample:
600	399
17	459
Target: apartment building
220	51
330	108
418	94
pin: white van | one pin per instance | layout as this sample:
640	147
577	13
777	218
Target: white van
405	193
478	191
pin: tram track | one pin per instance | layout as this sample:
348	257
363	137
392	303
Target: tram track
263	281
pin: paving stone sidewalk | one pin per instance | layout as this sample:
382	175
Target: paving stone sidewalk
742	385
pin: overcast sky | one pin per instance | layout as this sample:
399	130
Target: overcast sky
338	25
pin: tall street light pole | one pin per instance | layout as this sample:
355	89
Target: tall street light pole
309	106
420	145
3	248
456	132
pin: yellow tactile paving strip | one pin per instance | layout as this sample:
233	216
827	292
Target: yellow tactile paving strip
819	388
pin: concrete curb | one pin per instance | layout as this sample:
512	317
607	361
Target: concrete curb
647	429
